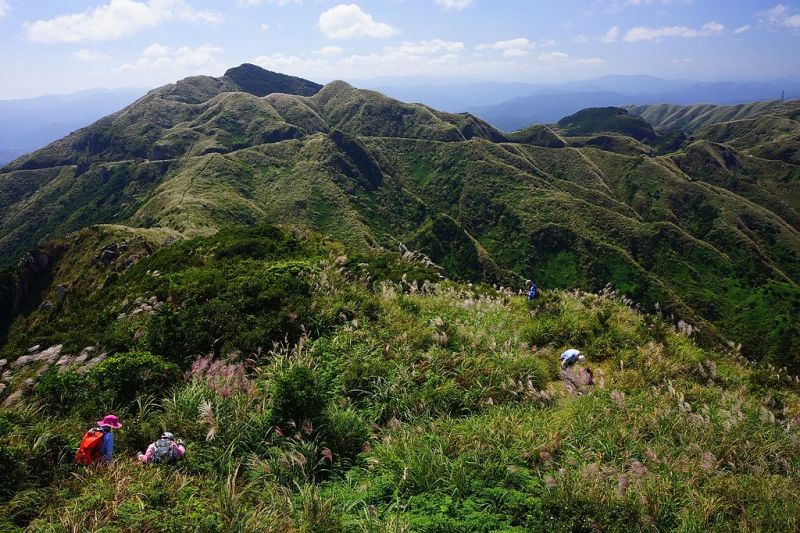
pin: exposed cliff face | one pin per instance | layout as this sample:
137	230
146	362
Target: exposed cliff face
20	289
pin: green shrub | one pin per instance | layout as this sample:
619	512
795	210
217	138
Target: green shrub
116	381
298	391
346	431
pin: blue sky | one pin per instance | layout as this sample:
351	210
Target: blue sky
57	46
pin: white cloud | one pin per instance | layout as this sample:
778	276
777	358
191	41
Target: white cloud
329	51
611	35
580	39
116	19
156	50
457	5
779	16
553	56
185	59
742	29
588	61
429	47
4	8
265	27
90	56
643	33
346	21
276	2
519	47
681	60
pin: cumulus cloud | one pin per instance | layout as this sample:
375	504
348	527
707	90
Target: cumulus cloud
643	33
329	51
90	56
779	16
519	47
742	29
183	59
456	5
116	19
611	35
346	21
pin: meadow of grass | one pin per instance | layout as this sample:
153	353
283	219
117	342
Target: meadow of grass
319	389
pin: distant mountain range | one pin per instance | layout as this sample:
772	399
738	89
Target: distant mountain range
28	124
513	106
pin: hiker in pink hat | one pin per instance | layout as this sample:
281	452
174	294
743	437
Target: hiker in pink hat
107	424
97	445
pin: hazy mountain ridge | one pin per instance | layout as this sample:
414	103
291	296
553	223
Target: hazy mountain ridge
548	105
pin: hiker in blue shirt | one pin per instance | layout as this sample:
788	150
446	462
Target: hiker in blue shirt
533	290
107	424
570	357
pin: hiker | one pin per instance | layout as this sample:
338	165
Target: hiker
570	357
533	290
165	450
97	444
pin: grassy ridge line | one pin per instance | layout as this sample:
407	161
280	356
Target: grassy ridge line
694	117
430	407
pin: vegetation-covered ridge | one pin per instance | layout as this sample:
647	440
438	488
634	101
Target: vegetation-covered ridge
705	228
691	118
322	389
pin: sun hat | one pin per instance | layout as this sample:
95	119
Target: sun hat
111	421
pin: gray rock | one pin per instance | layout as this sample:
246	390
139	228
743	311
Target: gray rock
153	300
61	292
2	388
138	301
121	316
34	348
46	306
6	376
3	362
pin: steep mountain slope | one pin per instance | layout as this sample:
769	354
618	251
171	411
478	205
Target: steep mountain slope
708	232
321	389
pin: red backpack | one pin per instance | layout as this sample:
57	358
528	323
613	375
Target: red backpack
91	445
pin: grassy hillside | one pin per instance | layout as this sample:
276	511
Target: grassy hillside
707	228
358	392
691	118
607	119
